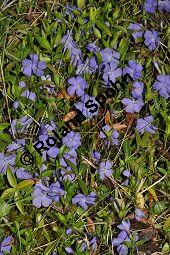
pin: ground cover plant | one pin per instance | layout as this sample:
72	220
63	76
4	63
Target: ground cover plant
84	127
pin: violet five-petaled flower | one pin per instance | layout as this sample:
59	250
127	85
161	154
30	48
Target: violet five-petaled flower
33	66
44	196
162	85
139	214
6	160
109	55
111	72
78	85
144	124
134	69
137	90
138	30
72	140
83	200
132	105
90	66
105	169
151	39
88	106
150	6
5	245
113	135
164	5
27	93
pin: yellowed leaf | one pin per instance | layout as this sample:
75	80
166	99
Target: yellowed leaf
140	200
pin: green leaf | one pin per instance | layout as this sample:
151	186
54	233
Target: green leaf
24	184
43	42
101	25
166	226
11	178
81	4
73	167
61	218
6	138
18	202
123	47
50	247
166	248
7	193
3	126
83	186
92	13
97	32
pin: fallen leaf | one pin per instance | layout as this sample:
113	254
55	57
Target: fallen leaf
130	118
107	118
119	126
90	225
140	200
69	116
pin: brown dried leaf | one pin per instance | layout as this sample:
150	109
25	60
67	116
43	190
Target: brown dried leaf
119	126
63	94
69	116
130	118
90	225
107	118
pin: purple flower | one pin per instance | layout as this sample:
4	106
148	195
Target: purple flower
122	249
72	140
93	244
145	125
96	155
6	161
40	196
15	104
138	28
69	231
150	6
125	225
127	173
109	55
111	72
151	39
132	105
162	85
110	133
88	106
83	201
134	70
67	175
92	47
71	155
76	56
20	125
33	66
121	238
164	5
19	143
28	94
137	89
78	85
22	174
47	143
139	214
105	169
5	246
90	66
68	41
69	250
55	191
